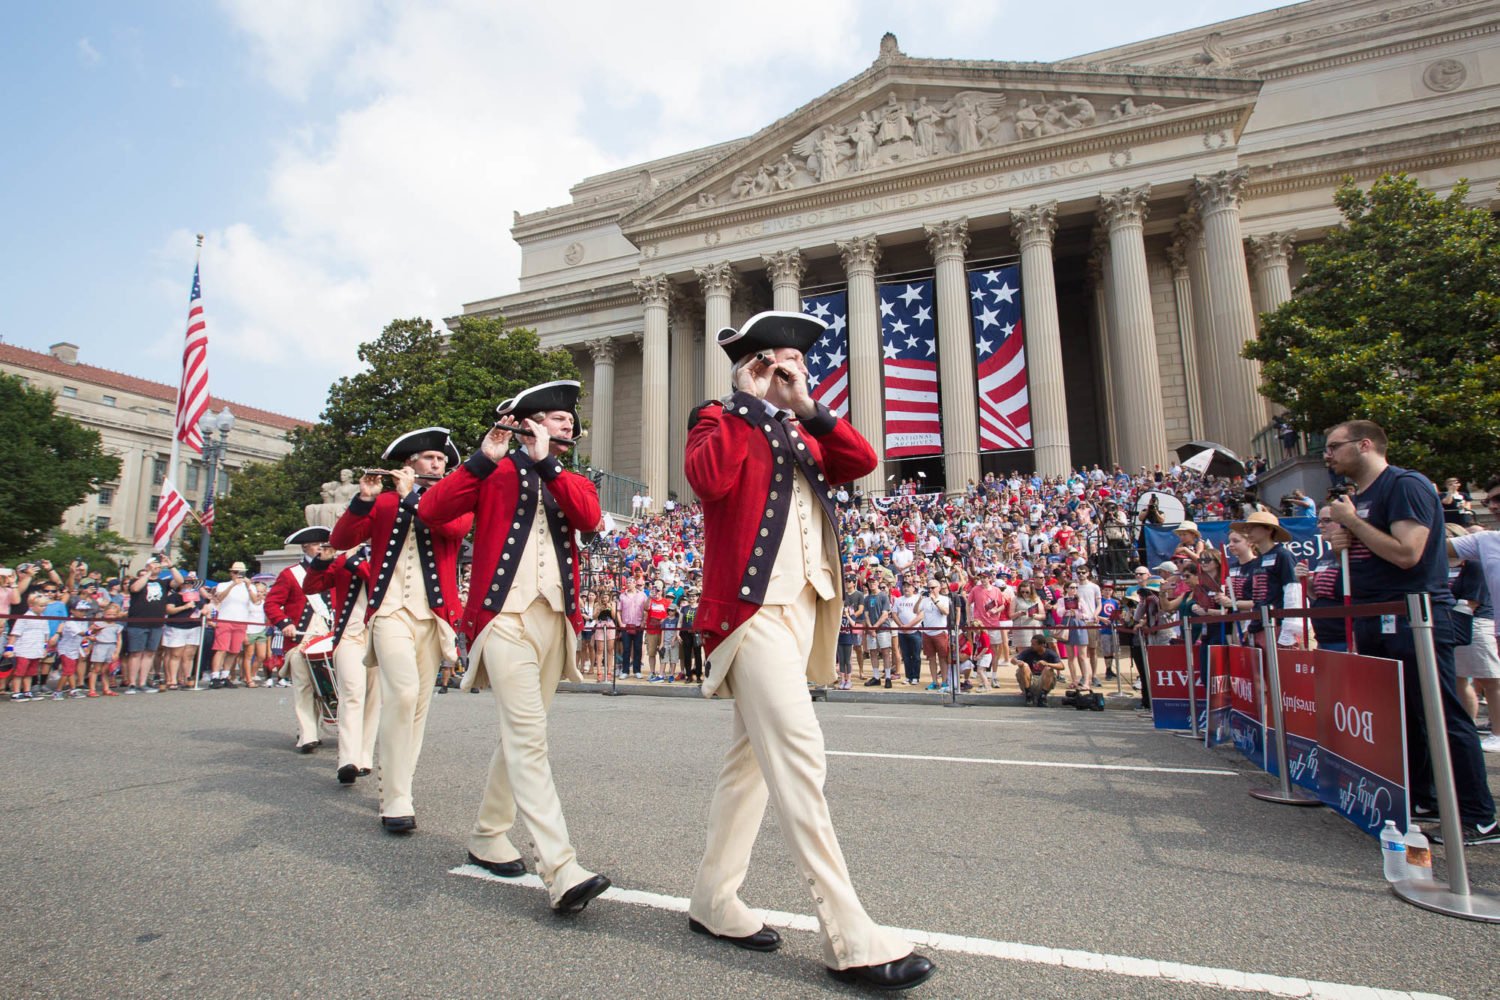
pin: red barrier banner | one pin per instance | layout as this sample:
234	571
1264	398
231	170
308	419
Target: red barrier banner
1246	713
1299	709
1220	696
1167	668
1361	715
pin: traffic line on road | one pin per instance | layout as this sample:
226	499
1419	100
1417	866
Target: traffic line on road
1011	951
1037	763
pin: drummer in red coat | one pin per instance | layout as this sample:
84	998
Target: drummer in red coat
522	621
763	462
412	606
299	618
345	578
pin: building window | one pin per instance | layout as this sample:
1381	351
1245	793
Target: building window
193	471
109	401
101	524
158	472
155	503
151	529
106	495
70	391
223	482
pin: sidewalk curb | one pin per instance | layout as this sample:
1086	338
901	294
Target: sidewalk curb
1127	702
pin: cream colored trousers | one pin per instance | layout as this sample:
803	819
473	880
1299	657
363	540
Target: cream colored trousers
524	656
302	696
409	653
777	752
359	704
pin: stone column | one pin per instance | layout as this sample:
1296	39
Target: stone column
1141	426
1033	228
866	408
1182	289
1242	407
1204	347
718	281
687	367
1269	256
958	388
656	292
1098	266
786	269
602	433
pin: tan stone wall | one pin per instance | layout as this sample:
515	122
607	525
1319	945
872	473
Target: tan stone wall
1168	344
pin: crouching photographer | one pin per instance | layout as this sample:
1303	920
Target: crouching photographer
1392	528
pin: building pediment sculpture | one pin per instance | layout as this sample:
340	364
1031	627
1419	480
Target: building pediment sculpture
901	131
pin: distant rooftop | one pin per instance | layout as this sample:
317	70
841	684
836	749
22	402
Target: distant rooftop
55	364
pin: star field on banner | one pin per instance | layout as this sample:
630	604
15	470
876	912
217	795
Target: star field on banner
908	334
171	511
828	360
1000	358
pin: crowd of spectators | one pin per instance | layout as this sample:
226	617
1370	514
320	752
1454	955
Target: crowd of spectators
82	634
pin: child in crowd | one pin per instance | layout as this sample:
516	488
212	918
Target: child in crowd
72	636
103	656
671	643
31	636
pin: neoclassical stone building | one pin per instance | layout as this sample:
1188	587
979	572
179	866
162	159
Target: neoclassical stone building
1154	195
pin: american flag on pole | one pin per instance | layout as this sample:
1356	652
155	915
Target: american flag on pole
192	396
828	359
1000	358
908	333
206	518
171	511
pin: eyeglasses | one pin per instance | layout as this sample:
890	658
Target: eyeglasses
1328	446
1325	520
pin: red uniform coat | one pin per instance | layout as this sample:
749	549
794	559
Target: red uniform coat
286	604
341	577
731	462
384	522
502	499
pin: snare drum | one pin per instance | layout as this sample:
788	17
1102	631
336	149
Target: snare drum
319	653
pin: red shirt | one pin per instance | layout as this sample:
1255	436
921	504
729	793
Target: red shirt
657	609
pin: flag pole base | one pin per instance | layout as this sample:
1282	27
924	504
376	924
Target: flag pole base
1272	795
1438	898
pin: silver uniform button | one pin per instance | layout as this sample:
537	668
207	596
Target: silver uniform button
745	591
744	409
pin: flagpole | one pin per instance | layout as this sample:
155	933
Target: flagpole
175	473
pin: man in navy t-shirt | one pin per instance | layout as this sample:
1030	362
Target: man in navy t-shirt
1393	531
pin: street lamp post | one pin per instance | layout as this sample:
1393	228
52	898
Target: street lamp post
213	454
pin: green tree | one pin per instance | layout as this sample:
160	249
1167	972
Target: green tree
1397	320
414	376
103	550
49	463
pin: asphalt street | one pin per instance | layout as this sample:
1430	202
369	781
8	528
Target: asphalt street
174	846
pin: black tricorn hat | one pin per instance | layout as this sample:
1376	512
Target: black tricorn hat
544	398
769	330
426	439
306	536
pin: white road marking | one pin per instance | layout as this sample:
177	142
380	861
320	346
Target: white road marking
1119	965
913	718
1036	763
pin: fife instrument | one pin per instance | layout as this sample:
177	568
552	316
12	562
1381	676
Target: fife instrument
523	432
390	472
765	359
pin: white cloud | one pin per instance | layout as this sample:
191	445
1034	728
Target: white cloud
87	54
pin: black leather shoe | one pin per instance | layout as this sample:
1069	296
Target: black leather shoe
902	974
309	747
576	898
364	771
765	939
398	824
505	869
347	774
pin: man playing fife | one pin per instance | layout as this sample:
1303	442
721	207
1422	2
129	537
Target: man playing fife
413	604
762	461
522	620
299	616
346	579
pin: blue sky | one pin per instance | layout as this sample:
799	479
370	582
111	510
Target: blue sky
352	161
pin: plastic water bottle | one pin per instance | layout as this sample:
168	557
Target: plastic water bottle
1418	855
1393	850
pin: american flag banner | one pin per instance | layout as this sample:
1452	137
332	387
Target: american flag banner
908	334
1000	358
192	395
171	511
828	359
206	518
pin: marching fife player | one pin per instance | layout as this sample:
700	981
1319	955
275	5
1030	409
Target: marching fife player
412	605
346	579
763	461
522	620
299	617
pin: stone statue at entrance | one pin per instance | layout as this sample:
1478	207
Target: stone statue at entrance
336	496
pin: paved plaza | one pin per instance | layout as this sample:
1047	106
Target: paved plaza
174	846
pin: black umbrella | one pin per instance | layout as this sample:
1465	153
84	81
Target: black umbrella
1210	459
